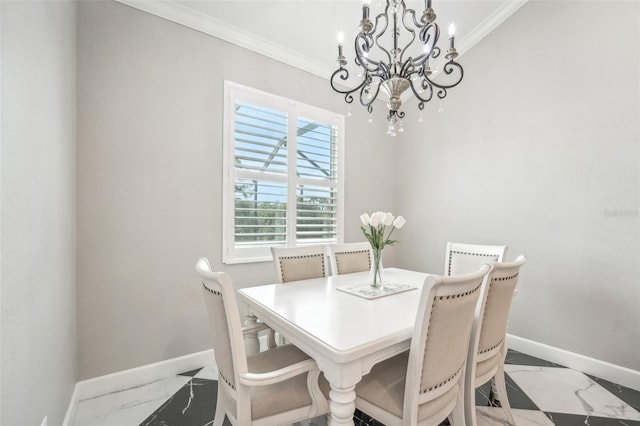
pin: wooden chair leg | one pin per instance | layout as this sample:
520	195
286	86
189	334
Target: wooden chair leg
220	412
457	417
501	389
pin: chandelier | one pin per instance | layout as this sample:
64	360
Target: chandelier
389	62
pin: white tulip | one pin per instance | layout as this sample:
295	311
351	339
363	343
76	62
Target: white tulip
364	218
387	219
375	219
399	222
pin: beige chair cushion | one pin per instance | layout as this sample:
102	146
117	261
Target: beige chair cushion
353	261
384	387
447	339
284	396
496	312
302	267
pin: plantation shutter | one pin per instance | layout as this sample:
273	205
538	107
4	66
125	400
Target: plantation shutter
260	199
283	186
316	190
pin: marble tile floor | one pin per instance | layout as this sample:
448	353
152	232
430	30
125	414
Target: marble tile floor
541	394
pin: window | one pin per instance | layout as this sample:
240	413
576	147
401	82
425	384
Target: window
283	181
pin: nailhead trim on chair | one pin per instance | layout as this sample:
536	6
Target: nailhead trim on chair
351	252
455	296
217	293
226	381
302	257
504	278
492	348
468	254
457	373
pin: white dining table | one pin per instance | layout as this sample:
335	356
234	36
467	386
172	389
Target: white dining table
344	333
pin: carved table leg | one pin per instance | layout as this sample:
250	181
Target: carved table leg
342	406
251	341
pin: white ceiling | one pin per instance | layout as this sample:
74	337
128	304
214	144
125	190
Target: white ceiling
302	33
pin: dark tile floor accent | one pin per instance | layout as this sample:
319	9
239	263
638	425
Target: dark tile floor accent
194	403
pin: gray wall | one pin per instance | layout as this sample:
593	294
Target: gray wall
38	211
539	149
150	106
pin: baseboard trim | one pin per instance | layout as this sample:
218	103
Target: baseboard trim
143	374
147	373
617	374
70	415
132	377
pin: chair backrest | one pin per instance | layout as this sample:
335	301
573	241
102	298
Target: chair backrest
490	325
441	337
349	257
224	318
299	263
466	258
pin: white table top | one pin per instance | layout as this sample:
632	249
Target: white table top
342	326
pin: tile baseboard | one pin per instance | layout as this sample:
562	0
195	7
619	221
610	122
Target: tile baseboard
614	373
126	379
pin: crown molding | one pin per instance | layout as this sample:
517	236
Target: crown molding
490	23
172	11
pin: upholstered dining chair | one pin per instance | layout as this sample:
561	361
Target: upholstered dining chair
465	258
425	385
488	346
300	263
278	386
349	257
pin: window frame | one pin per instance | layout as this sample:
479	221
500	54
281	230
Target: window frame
295	110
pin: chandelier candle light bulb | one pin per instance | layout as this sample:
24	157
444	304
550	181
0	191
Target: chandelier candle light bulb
342	61
452	32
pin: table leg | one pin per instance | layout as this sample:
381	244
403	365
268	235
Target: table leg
342	406
251	341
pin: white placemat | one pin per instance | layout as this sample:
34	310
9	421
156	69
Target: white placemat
367	291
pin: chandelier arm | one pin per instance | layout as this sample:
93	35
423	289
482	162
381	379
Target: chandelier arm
425	87
343	74
425	37
406	12
362	59
384	72
373	96
448	69
417	62
408	69
416	23
379	18
429	36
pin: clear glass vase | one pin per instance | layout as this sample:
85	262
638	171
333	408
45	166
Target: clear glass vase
376	271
